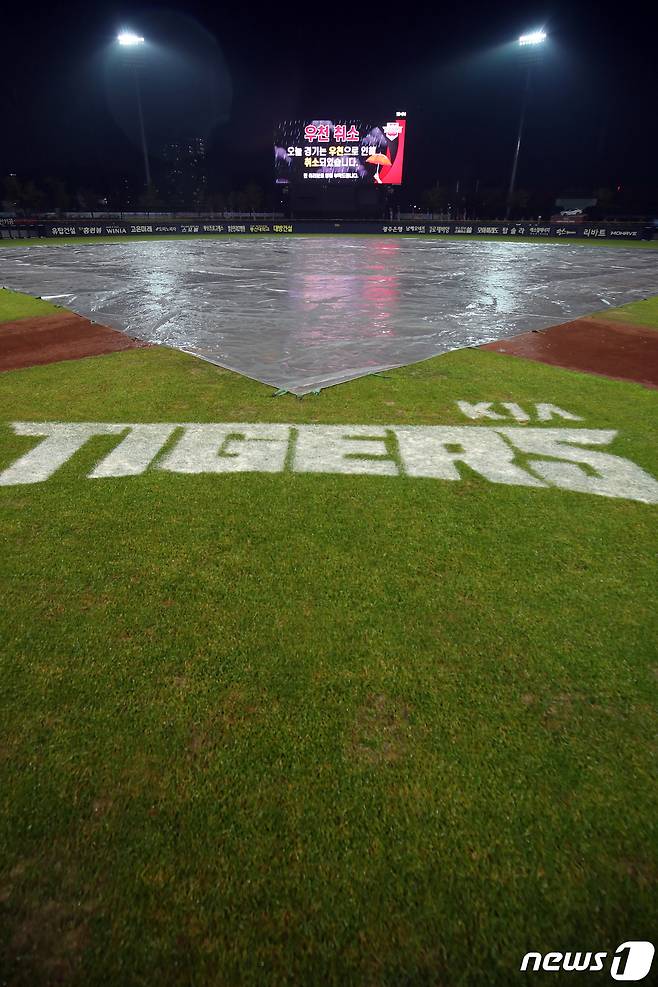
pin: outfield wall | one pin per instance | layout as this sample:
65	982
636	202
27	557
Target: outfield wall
576	231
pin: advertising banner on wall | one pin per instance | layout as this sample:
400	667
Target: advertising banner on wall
350	150
31	229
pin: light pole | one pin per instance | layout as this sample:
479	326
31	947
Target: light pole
129	40
525	41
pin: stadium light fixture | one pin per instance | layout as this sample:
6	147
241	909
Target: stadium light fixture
533	38
530	40
127	38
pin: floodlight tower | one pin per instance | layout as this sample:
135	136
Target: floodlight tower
129	40
530	41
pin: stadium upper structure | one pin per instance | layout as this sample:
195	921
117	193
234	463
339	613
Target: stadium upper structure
350	150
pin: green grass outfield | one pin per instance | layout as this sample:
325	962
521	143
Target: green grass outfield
52	241
308	729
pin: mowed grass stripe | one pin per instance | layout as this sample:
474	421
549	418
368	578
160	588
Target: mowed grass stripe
14	305
644	313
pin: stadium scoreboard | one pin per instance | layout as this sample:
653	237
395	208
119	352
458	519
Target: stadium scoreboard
340	151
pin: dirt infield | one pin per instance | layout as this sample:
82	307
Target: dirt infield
51	338
596	346
611	349
304	313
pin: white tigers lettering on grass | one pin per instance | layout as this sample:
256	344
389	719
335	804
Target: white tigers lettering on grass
517	456
229	449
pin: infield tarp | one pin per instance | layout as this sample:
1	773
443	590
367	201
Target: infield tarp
307	312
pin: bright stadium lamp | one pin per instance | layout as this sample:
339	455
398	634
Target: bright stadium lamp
129	39
533	38
530	40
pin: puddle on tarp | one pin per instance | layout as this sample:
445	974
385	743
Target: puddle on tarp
304	312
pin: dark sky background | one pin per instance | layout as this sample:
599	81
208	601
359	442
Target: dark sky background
227	71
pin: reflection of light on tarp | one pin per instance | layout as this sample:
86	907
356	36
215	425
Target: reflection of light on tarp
306	312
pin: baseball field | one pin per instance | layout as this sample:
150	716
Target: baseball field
354	689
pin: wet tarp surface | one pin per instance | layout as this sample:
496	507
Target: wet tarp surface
304	312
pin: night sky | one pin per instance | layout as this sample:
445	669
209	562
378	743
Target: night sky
226	72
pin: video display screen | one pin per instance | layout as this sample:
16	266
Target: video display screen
350	150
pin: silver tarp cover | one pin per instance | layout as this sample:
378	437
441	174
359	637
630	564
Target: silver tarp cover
304	312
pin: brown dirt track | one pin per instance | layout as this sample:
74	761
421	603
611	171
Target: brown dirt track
595	346
598	346
50	338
